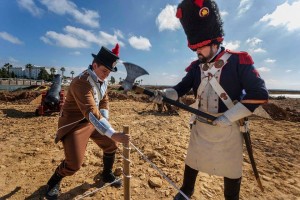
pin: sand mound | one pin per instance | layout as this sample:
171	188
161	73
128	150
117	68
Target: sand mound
278	113
275	110
18	97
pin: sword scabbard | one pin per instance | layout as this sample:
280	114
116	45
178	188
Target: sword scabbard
246	136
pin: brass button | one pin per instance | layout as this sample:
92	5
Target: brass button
205	67
219	64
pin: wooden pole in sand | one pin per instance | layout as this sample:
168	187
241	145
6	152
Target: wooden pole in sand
126	166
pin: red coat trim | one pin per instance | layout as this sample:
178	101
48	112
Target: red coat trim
220	55
203	43
190	66
179	13
244	57
199	3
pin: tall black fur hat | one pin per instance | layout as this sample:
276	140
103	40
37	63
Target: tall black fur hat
201	22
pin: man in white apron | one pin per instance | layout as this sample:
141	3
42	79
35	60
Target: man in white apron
218	78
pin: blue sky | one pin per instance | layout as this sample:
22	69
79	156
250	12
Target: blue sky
64	33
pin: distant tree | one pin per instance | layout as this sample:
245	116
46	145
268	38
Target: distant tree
29	67
3	73
141	81
12	75
72	73
7	66
43	75
52	70
62	72
120	80
112	80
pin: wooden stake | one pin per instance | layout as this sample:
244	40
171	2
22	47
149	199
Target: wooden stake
126	166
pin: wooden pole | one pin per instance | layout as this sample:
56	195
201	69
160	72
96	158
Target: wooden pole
126	166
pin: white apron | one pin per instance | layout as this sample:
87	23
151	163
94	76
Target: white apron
214	150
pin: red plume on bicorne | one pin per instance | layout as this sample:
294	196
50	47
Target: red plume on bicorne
116	50
199	3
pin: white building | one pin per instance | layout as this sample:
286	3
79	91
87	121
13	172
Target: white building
33	73
18	71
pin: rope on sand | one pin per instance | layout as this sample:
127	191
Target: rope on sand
159	171
96	190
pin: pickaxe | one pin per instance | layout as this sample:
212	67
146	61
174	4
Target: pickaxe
134	71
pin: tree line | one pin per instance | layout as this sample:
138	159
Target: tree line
7	72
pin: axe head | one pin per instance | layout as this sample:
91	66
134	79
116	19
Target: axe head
133	71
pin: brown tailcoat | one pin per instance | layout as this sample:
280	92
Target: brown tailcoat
78	104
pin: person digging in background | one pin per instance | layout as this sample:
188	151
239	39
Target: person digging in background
85	115
218	78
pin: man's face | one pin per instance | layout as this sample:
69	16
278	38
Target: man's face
205	53
101	71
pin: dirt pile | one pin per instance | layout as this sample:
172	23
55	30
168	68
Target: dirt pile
18	97
278	109
278	113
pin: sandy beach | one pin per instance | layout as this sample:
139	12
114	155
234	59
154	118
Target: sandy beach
29	155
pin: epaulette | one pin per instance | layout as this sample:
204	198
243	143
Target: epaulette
190	66
244	57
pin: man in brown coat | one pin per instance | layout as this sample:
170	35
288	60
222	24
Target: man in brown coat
85	115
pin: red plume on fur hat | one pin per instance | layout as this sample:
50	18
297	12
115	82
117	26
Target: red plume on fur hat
201	22
116	50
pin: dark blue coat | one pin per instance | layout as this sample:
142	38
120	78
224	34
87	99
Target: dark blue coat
238	78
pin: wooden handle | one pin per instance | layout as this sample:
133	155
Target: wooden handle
126	166
209	117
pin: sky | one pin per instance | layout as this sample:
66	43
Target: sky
64	33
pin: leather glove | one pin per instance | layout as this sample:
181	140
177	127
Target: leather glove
222	121
157	97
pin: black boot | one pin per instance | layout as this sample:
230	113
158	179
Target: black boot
53	189
232	188
107	174
189	179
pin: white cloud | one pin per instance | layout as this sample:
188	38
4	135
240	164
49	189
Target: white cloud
110	39
263	69
223	13
64	7
258	50
119	34
288	71
166	19
284	15
81	38
232	45
6	36
12	60
253	42
269	60
140	43
63	40
244	6
30	6
75	53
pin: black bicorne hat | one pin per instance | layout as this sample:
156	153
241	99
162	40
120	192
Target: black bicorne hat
108	58
201	22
